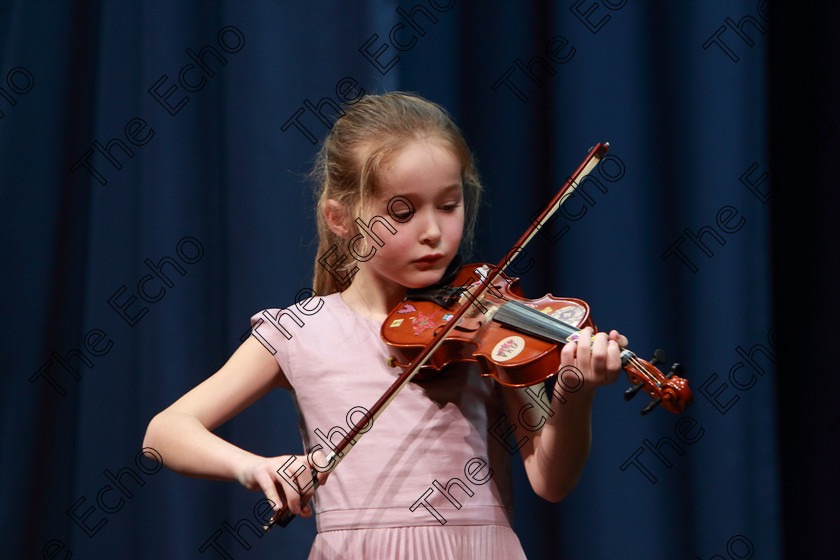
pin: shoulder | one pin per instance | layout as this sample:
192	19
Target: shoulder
294	335
287	322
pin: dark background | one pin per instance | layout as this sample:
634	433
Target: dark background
741	153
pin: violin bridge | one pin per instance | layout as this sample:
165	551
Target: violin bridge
479	307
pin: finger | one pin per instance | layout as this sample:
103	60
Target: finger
599	354
311	480
291	490
567	353
317	462
293	501
308	482
584	346
305	509
269	489
613	360
298	472
619	338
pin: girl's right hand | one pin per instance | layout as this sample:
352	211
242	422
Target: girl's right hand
293	488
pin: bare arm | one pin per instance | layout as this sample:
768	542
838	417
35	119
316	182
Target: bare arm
182	433
555	455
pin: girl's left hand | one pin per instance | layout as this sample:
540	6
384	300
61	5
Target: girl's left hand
598	362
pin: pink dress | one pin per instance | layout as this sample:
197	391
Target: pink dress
427	480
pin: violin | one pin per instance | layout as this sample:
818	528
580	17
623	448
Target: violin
481	315
514	340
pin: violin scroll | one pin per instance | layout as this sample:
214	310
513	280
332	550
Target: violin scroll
671	391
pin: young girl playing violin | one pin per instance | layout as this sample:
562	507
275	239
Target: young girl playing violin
428	480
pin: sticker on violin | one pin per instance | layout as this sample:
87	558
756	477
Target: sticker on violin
407	308
508	348
448	317
422	322
396	323
571	314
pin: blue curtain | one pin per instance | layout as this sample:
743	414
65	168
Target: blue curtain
153	160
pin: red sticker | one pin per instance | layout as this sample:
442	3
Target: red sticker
422	323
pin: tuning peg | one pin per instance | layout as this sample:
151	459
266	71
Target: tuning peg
631	392
676	369
651	405
659	357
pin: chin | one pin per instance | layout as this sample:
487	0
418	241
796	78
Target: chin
424	278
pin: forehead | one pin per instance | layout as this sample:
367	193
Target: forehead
422	167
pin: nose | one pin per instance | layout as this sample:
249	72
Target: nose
430	233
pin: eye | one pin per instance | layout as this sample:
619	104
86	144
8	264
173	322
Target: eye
450	207
403	215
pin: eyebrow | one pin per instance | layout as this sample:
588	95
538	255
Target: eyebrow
444	192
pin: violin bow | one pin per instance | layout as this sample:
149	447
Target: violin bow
283	516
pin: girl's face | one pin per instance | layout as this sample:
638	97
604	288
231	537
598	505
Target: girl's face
427	173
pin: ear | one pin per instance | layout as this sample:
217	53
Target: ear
336	218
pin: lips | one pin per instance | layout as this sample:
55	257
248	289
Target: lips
429	259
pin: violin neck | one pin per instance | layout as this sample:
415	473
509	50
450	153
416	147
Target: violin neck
523	318
518	316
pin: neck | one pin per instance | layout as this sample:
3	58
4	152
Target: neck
371	298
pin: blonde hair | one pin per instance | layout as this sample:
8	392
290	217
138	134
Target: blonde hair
361	143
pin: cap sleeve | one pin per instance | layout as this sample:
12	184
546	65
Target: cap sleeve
265	327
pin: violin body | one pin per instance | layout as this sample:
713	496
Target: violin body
501	352
515	340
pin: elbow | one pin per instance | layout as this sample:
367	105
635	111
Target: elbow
552	483
152	439
556	492
553	496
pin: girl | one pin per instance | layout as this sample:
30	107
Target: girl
431	479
